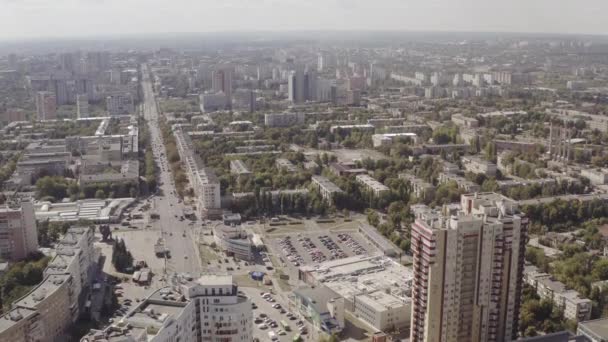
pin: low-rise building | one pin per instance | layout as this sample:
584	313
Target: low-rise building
478	166
322	307
286	165
238	167
326	188
595	176
421	188
462	182
463	121
375	289
375	238
123	172
594	331
574	306
284	119
387	139
382	311
372	185
234	241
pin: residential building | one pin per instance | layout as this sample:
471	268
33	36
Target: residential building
463	121
372	185
222	82
212	102
326	188
49	309
205	309
13	115
46	105
120	104
18	232
286	165
468	271
82	106
462	182
284	119
477	165
387	139
421	188
574	306
239	168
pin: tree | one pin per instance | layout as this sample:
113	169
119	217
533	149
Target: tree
100	194
121	257
373	218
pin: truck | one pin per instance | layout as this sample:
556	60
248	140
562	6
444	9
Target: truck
159	248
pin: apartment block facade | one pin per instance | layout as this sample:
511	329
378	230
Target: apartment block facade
468	271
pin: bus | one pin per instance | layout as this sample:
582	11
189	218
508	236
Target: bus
285	326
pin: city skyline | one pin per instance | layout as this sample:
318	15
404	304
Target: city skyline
72	18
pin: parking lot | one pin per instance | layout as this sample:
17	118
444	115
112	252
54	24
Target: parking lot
268	313
319	246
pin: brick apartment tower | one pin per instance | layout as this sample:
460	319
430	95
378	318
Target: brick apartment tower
468	271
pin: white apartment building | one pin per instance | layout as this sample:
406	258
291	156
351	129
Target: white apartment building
211	310
574	306
372	185
18	232
49	309
326	188
468	271
203	180
479	166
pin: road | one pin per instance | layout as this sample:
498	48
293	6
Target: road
178	234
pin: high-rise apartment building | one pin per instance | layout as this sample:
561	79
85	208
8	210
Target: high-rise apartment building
221	81
468	269
302	86
46	105
82	106
18	233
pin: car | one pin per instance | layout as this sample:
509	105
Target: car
282	311
293	318
258	321
263	315
263	326
282	332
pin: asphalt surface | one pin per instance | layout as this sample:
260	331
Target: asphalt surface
178	234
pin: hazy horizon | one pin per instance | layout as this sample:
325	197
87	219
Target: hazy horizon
27	19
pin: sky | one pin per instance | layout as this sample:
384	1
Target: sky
82	18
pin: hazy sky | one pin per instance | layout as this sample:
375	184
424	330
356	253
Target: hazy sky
59	18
